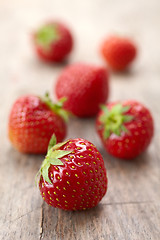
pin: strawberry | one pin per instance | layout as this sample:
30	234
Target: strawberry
53	42
72	175
126	128
32	122
118	52
85	86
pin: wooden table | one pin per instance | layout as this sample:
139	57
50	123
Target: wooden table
131	208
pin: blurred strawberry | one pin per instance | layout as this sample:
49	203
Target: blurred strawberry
126	128
53	42
32	122
118	52
85	86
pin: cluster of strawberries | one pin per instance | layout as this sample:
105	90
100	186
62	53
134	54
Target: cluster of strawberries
72	175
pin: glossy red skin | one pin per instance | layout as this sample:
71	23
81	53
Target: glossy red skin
118	52
85	86
140	132
59	49
76	185
31	125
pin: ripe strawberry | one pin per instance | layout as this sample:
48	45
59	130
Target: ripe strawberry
118	52
85	86
53	42
72	175
32	122
126	128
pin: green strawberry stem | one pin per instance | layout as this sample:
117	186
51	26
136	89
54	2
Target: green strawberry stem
113	120
52	142
46	35
52	158
56	107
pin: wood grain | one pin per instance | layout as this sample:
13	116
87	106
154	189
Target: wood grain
131	208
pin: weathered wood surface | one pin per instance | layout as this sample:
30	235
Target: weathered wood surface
131	208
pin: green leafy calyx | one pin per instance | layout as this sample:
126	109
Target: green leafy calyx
46	35
56	107
113	120
53	157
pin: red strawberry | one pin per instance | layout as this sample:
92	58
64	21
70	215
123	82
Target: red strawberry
85	86
126	129
118	52
53	42
73	175
32	122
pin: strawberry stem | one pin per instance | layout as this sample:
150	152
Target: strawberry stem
113	120
46	35
56	107
53	157
52	142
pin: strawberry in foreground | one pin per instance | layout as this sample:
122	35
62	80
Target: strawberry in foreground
119	52
85	86
32	122
53	42
72	175
126	128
